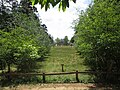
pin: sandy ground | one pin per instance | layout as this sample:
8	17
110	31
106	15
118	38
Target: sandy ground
75	86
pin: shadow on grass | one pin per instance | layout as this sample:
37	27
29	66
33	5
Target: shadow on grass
5	82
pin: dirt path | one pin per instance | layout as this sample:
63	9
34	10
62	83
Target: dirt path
75	86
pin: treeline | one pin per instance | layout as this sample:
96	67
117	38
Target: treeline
97	38
23	39
64	42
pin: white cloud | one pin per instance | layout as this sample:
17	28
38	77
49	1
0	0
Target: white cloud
59	23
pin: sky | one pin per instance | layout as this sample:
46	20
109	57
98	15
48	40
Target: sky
59	23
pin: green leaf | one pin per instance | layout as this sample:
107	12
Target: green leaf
63	5
60	6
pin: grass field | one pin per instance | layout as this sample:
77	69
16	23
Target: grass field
62	55
72	61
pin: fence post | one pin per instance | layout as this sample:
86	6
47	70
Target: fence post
44	78
77	79
62	67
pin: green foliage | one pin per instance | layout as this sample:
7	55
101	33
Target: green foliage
22	42
46	3
72	40
57	41
98	35
16	47
66	41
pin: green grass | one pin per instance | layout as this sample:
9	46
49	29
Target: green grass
62	55
72	61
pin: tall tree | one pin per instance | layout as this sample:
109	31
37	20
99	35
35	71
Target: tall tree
6	7
98	35
57	41
22	42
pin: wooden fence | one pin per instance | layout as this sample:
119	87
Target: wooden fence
57	73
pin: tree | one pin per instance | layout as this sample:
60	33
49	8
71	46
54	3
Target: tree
57	41
97	38
16	48
23	42
72	39
6	18
66	41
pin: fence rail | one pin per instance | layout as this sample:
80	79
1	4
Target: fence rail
57	73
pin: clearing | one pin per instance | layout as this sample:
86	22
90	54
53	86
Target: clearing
72	61
62	55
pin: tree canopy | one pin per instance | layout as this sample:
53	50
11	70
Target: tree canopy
22	42
64	41
46	3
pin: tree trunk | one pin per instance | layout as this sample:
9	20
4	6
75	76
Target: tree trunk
109	69
9	69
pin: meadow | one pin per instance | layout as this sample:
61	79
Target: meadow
68	56
62	55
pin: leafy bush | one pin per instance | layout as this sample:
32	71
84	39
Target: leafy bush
98	37
24	43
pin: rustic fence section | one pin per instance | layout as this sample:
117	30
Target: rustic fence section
58	73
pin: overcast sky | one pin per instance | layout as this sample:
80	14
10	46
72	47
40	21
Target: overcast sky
59	23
